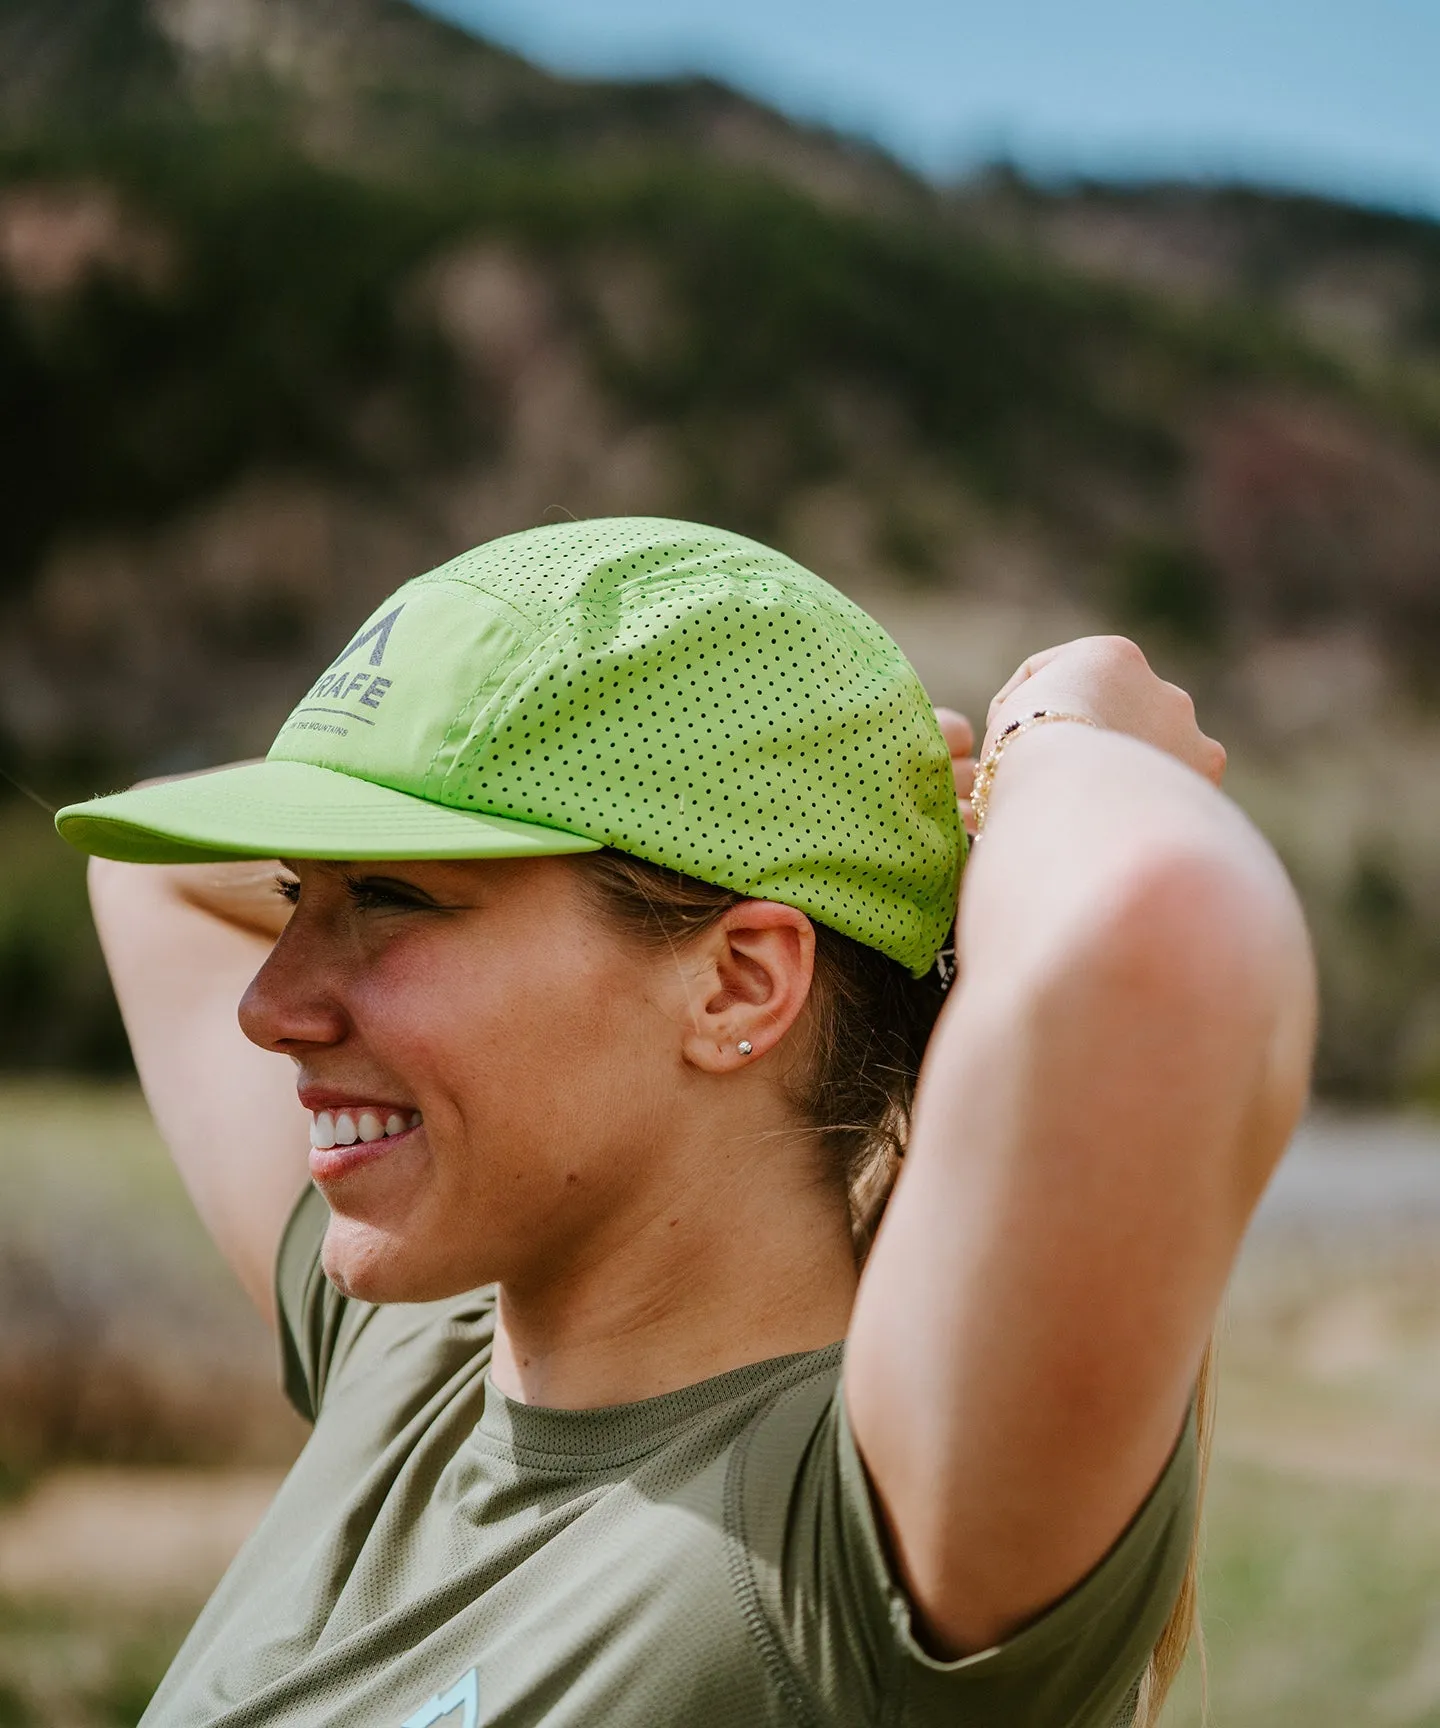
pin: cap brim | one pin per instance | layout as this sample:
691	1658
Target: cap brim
294	810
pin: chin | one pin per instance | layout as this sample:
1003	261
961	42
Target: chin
369	1264
373	1265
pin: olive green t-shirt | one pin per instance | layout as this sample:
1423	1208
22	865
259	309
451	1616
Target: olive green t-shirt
442	1557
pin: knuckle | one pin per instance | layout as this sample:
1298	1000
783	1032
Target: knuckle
1124	650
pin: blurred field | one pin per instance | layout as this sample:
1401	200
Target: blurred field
124	1339
141	1435
1322	1573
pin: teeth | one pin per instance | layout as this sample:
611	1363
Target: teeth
344	1127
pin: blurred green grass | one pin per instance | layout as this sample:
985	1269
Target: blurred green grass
92	1142
68	1666
124	1339
1321	1604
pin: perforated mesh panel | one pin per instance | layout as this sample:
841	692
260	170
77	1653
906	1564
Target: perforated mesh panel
703	702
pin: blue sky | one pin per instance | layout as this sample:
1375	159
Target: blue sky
1335	95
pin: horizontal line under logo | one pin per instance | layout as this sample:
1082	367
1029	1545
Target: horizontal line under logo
310	709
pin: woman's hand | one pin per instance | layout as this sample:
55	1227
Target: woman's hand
959	735
1109	680
1105	678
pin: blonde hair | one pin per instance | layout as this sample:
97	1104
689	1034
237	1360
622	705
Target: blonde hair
1183	1626
869	1023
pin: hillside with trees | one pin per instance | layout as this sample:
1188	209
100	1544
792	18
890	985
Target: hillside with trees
299	297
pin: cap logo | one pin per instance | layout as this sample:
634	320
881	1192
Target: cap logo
355	689
379	634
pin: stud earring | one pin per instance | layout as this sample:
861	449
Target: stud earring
744	1046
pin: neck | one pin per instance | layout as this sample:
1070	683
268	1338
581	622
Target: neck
734	1273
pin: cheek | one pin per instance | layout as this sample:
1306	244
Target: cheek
514	1060
544	1082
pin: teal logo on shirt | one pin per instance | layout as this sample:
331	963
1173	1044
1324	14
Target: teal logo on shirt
464	1696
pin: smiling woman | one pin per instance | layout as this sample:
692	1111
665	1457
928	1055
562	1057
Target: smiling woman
605	959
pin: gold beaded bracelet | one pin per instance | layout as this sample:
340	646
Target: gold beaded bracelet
985	773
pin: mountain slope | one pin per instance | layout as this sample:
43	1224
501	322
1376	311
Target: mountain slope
1365	283
299	298
381	88
476	318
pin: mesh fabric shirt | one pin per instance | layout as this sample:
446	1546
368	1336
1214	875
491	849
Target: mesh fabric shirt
443	1557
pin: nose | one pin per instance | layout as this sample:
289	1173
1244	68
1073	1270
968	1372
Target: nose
291	1004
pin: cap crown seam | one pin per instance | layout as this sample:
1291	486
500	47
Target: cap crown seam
525	627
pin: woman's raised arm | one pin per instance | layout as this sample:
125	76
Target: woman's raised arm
1116	1074
182	942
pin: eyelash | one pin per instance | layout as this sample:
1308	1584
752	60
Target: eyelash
377	897
365	895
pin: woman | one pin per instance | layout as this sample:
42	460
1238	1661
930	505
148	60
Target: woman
617	857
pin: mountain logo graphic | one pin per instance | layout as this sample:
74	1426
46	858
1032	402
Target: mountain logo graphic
378	634
463	1696
337	683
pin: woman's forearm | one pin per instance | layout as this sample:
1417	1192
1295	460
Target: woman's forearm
182	942
242	895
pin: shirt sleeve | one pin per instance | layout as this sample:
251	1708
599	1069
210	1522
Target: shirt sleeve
839	1629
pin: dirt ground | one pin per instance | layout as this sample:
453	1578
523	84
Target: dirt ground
152	1538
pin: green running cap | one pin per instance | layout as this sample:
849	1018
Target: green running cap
677	692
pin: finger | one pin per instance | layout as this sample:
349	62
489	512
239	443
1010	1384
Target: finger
1023	671
1184	700
1027	668
958	733
1209	755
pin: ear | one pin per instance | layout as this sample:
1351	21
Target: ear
752	975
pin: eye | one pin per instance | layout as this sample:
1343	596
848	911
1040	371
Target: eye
386	894
288	889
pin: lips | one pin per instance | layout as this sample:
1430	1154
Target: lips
345	1139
